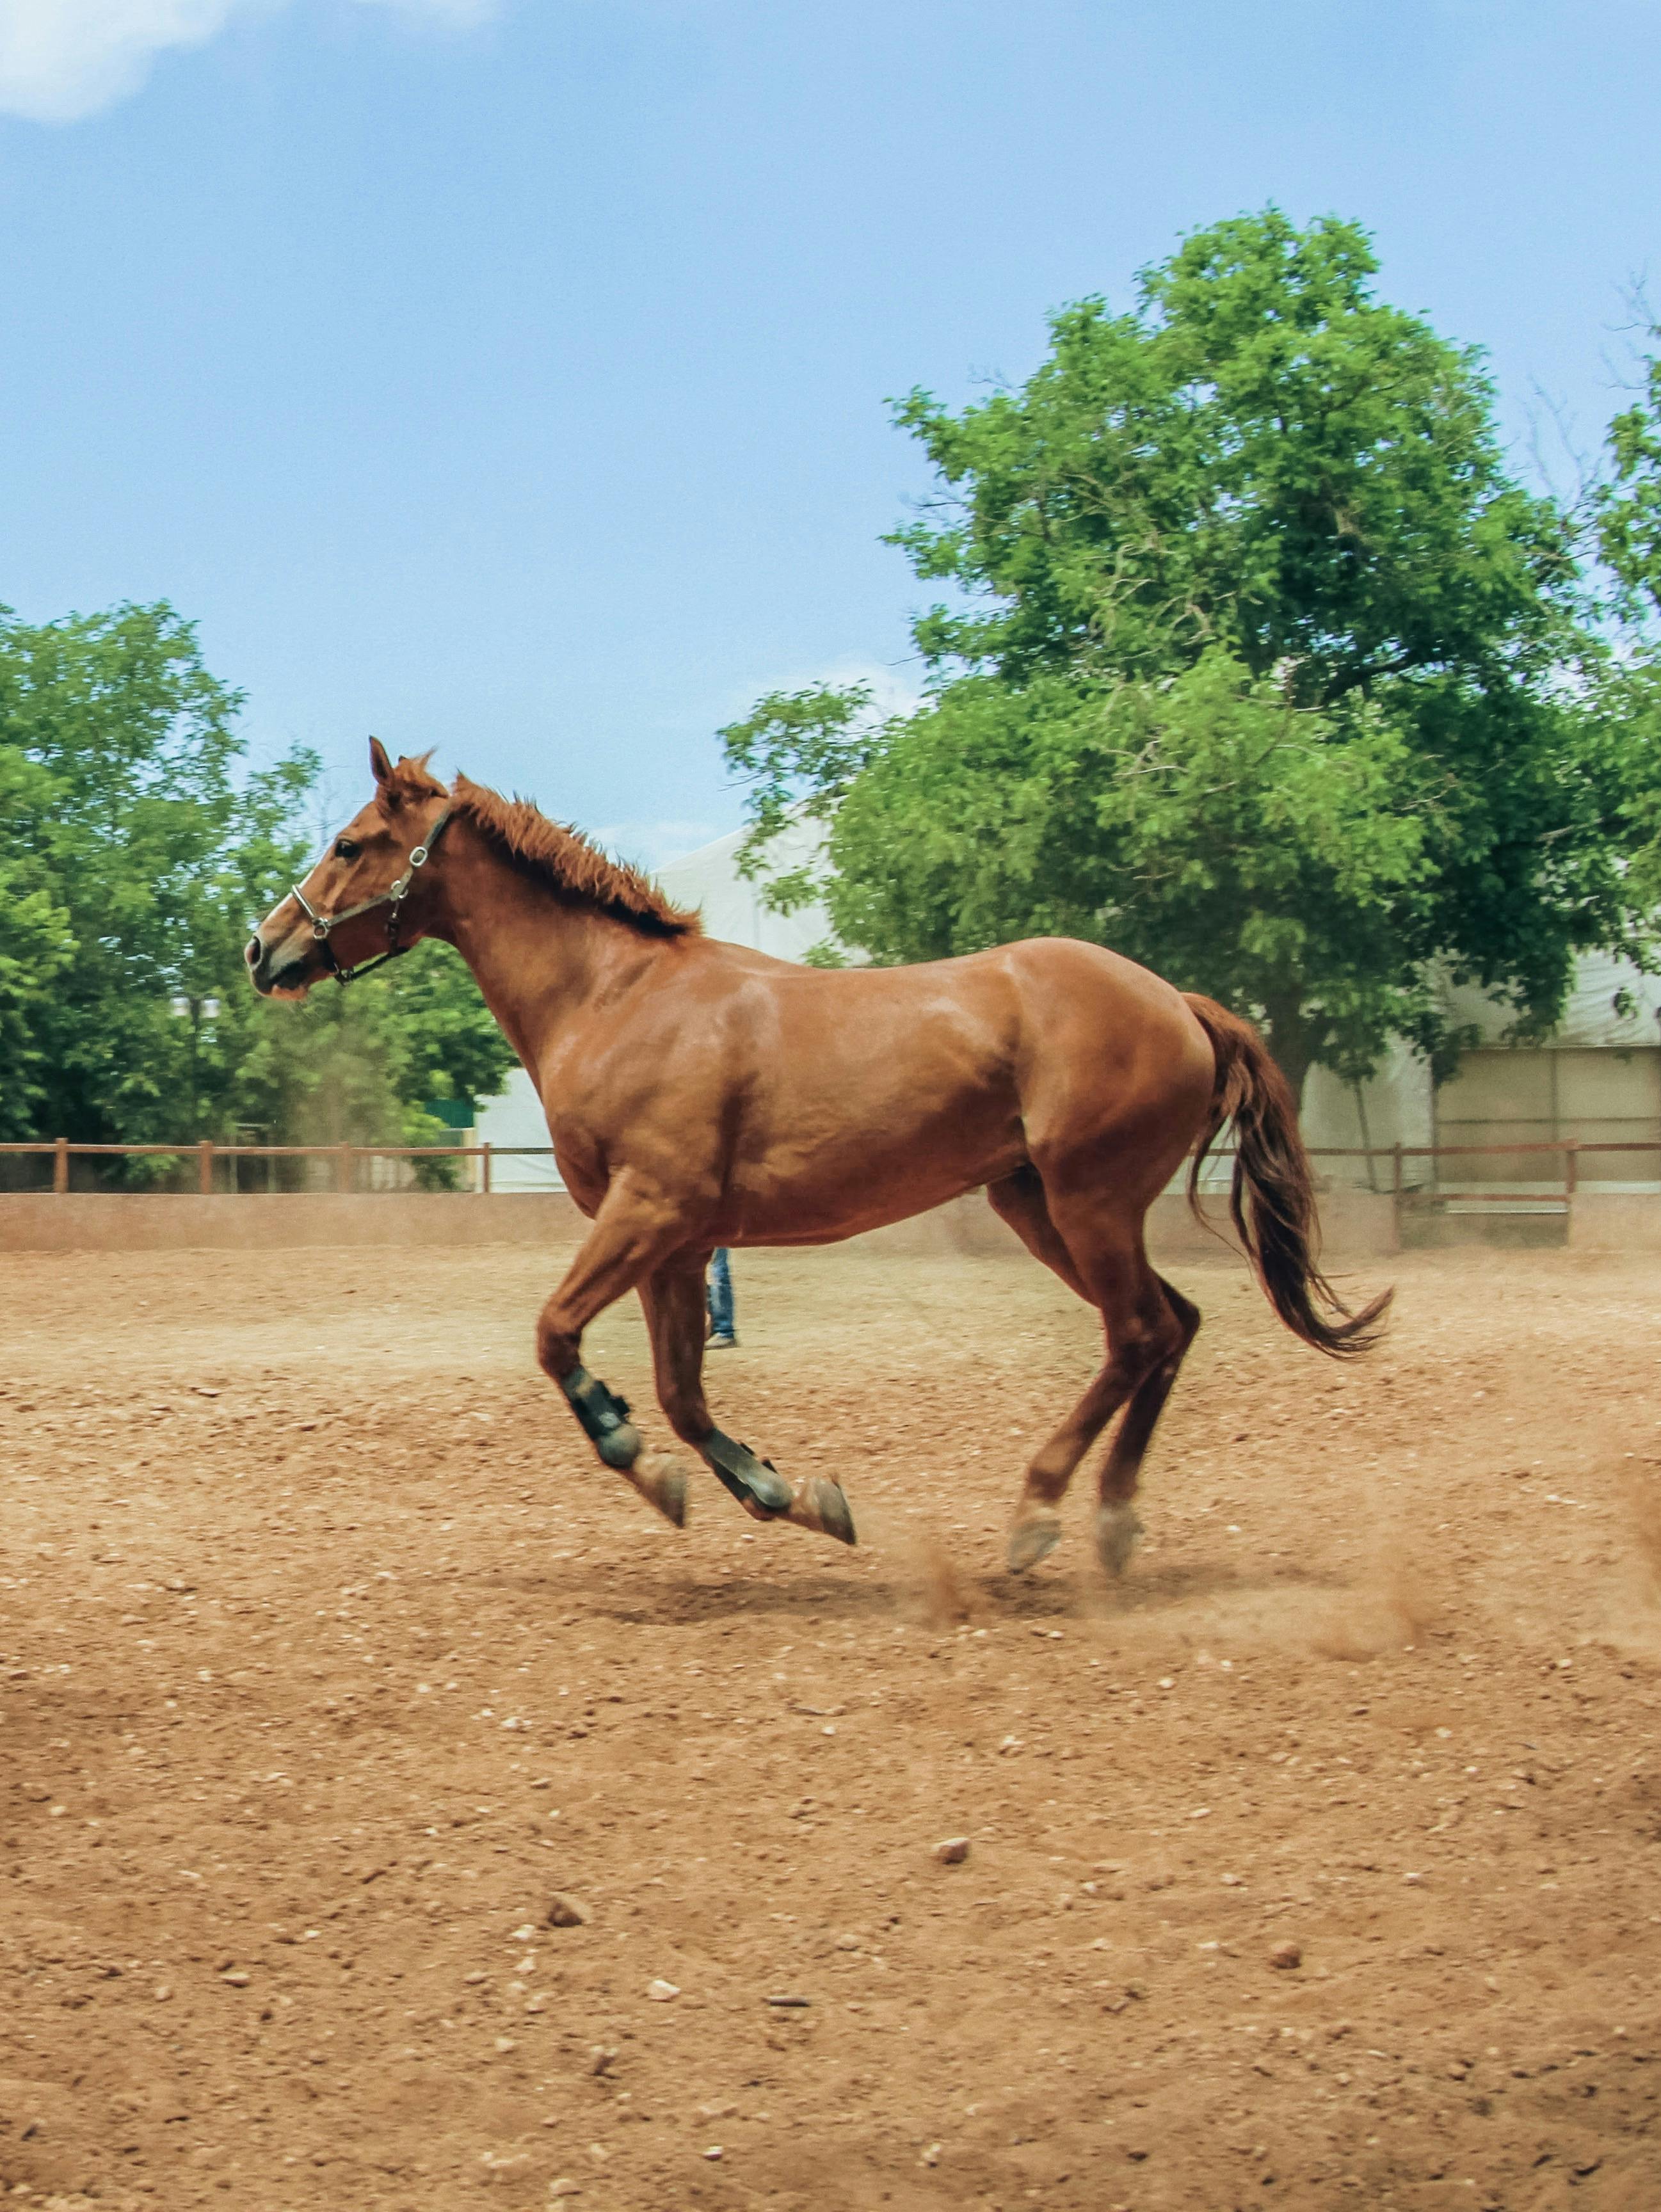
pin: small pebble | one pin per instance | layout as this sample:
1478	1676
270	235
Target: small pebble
1286	1955
953	1851
566	1912
564	2186
661	1991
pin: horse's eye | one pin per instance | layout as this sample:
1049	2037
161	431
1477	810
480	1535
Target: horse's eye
345	850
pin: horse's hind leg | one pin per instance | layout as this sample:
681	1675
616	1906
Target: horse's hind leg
1117	1525
1108	1265
672	1295
1020	1201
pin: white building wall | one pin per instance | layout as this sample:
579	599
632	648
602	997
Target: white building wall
516	1117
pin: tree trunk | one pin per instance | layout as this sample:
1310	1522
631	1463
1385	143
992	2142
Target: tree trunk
1289	1040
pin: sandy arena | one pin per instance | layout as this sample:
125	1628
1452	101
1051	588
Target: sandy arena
1318	1864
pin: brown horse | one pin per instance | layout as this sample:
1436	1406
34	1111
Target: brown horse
701	1094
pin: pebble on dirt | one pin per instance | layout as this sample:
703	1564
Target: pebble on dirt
1285	1955
566	1912
953	1851
661	1991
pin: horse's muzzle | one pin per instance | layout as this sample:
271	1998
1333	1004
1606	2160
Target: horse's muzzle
286	981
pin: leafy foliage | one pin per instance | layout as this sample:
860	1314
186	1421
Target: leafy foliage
1629	501
138	846
1260	668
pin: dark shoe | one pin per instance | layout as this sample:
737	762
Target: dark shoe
723	1343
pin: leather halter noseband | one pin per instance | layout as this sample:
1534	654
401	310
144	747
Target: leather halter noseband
393	897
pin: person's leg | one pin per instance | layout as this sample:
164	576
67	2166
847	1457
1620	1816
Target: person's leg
719	1298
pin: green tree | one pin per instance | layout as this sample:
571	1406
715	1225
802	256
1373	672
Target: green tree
35	947
1259	666
138	847
357	1066
1629	508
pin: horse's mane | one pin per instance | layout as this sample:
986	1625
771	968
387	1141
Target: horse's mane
561	856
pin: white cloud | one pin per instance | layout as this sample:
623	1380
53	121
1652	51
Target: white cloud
63	59
894	690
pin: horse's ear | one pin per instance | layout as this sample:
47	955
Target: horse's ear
380	764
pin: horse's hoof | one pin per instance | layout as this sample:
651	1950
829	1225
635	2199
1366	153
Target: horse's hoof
662	1481
1032	1541
1116	1531
828	1504
619	1447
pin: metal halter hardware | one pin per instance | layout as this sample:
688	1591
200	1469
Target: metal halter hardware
393	897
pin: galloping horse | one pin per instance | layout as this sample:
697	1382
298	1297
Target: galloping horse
701	1094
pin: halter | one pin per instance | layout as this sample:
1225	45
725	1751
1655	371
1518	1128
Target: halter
393	898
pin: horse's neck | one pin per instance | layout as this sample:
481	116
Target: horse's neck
539	959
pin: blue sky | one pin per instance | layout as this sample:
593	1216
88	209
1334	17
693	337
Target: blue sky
510	375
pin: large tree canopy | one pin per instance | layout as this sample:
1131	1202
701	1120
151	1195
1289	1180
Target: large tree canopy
1260	667
138	847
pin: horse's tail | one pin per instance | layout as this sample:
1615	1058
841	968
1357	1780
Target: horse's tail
1273	1199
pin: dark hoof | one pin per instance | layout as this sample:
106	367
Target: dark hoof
619	1447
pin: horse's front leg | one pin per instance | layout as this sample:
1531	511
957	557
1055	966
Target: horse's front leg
630	1234
672	1295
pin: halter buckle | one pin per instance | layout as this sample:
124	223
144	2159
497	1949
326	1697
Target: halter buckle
393	897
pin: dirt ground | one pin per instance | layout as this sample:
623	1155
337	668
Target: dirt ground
329	1661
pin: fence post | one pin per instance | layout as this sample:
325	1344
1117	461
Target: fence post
342	1168
205	1167
485	1170
1570	1167
60	1165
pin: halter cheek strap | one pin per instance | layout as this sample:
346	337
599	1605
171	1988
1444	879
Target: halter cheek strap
392	898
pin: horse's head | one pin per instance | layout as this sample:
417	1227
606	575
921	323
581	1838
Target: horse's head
363	900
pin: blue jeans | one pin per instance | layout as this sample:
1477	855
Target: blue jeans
718	1294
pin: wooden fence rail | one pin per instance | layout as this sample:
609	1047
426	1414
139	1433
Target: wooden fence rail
61	1151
